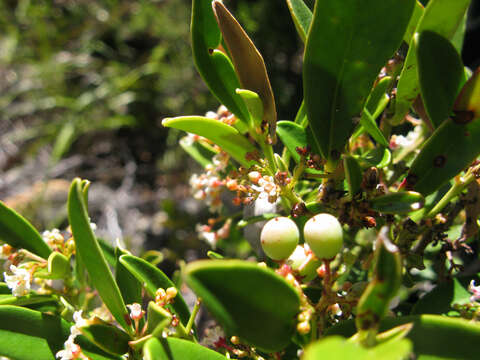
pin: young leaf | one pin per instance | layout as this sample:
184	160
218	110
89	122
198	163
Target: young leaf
302	17
248	62
398	203
254	105
153	279
225	136
92	256
450	149
442	17
340	66
158	319
107	337
412	25
177	349
353	174
213	65
16	231
292	136
467	103
249	301
439	76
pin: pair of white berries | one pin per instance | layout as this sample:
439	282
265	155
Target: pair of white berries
323	233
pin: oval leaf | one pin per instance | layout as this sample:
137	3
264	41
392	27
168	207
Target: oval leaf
248	62
213	65
450	149
292	136
178	349
225	136
249	301
16	231
340	66
398	203
107	337
442	17
439	76
153	279
89	250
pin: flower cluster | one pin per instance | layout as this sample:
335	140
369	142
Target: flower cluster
20	280
206	233
71	350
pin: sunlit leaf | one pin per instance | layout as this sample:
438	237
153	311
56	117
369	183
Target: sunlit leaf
177	349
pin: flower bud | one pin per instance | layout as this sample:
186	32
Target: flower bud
279	237
324	234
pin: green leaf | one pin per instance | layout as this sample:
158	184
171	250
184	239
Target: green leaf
128	284
225	136
302	17
16	231
336	347
442	17
58	265
468	101
370	125
198	150
292	136
248	62
439	76
340	66
153	279
158	319
108	252
353	174
213	65
450	149
374	302
398	203
433	337
254	105
177	349
250	301
8	299
107	337
31	335
92	256
441	299
379	157
412	25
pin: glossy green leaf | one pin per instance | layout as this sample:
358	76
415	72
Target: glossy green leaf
153	279
469	98
199	151
412	25
398	203
377	102
177	349
302	17
16	231
92	256
214	65
442	17
441	299
387	275
254	105
450	149
379	157
336	347
58	265
107	337
353	174
433	337
128	284
292	136
250	301
31	335
248	62
225	136
439	76
340	66
108	252
8	299
158	319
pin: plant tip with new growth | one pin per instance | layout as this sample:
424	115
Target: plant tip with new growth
279	237
324	234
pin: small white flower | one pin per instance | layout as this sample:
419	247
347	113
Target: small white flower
19	282
212	335
136	312
71	350
475	290
52	237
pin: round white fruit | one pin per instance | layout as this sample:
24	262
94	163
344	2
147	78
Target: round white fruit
324	234
279	237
